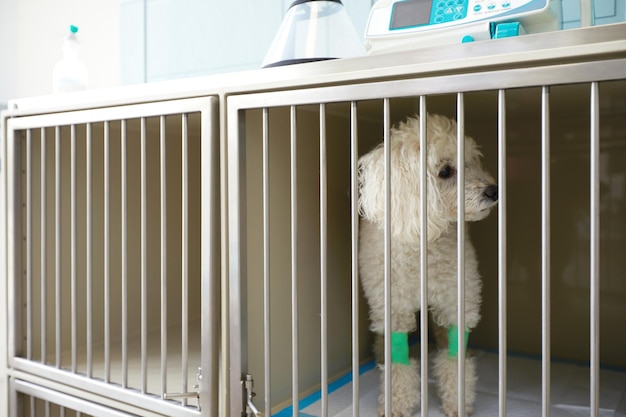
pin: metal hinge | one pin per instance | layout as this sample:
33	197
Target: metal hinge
251	409
190	394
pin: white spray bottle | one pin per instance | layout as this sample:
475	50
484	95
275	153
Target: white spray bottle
70	74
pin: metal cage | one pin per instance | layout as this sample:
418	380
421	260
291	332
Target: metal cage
112	221
293	224
191	248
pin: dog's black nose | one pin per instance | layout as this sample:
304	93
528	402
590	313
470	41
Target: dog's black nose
491	192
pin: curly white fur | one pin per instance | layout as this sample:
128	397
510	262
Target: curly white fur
405	381
480	197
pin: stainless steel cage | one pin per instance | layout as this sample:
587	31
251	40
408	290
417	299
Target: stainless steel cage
205	232
113	218
282	146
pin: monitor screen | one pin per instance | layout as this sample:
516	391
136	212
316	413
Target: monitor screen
410	13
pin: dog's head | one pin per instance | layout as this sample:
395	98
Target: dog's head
481	192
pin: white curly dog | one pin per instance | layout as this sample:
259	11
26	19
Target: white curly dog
481	194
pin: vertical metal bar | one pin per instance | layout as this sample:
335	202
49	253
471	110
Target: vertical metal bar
107	252
210	264
144	262
545	248
594	336
15	407
73	294
461	251
163	177
124	256
43	254
266	264
502	300
185	253
11	255
88	225
235	217
423	254
323	261
57	244
354	183
29	245
387	253
294	262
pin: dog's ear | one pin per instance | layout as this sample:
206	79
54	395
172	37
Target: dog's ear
405	192
371	185
405	183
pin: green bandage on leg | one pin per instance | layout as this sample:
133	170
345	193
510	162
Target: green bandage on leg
453	341
400	348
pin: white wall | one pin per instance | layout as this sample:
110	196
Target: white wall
32	33
185	38
604	12
8	51
134	41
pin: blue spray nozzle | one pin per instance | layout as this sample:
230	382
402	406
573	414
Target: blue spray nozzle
73	28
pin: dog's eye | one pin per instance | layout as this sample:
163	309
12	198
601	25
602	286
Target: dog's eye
446	172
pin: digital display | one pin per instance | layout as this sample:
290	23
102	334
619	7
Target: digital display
410	13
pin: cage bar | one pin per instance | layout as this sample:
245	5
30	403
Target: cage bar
124	257
236	352
57	244
545	250
107	253
594	233
323	259
294	261
210	400
144	261
266	265
163	177
502	264
28	268
73	237
423	212
43	251
461	251
387	252
88	260
185	255
354	216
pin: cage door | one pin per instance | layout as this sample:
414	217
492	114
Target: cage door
113	252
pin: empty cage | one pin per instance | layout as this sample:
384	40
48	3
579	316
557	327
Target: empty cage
549	254
114	243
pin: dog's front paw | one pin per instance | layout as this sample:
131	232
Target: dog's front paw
446	372
405	389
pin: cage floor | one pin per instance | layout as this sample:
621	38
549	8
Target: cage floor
569	391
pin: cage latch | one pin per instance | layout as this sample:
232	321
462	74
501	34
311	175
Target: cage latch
251	409
190	394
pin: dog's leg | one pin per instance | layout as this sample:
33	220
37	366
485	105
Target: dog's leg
405	380
446	372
